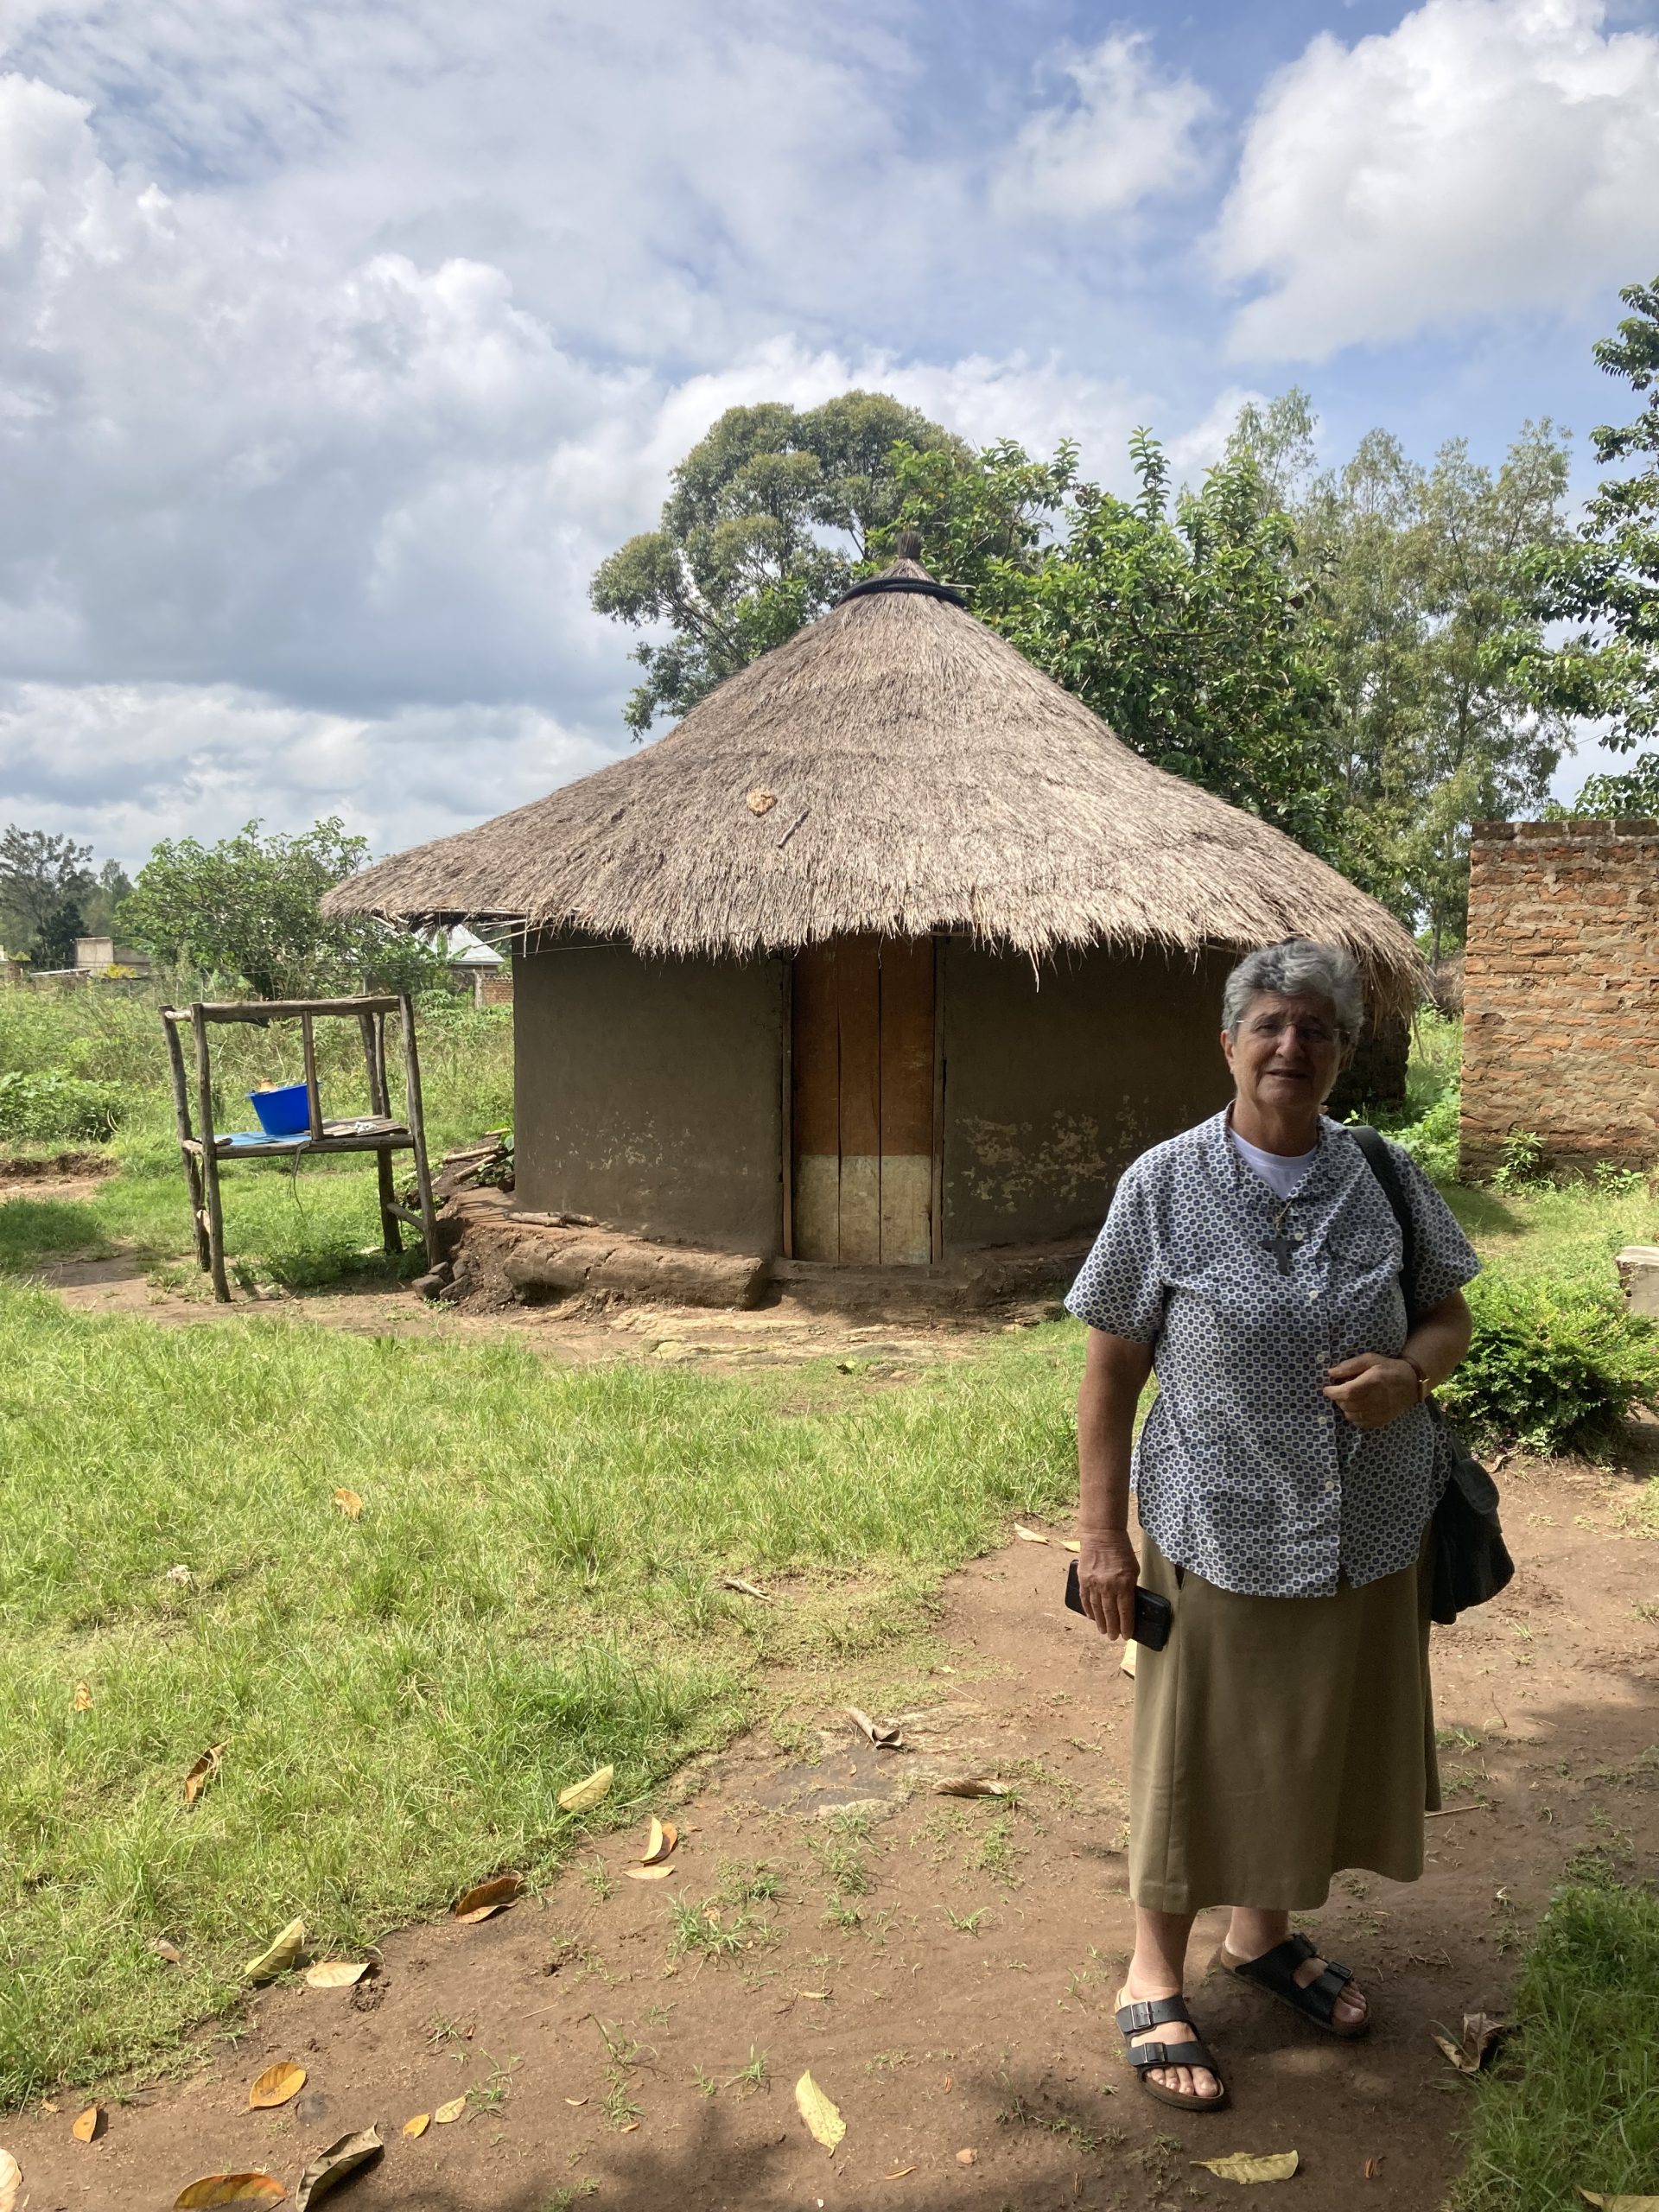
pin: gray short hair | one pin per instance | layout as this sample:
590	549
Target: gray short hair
1299	967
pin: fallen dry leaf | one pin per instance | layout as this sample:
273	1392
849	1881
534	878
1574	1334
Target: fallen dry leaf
948	2083
1620	2203
335	1973
576	2103
278	2085
736	1582
418	2125
649	1874
1029	1535
628	2127
1071	1545
1374	2167
11	2182
202	1773
278	1955
884	1735
82	1701
661	1841
47	2105
819	1996
582	1796
1482	2033
899	2173
967	2158
1126	1664
170	1952
491	1896
824	2122
224	2188
1252	2166
87	2126
350	1504
971	1785
761	801
452	2110
345	2156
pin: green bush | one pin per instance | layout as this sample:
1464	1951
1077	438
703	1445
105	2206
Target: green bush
49	1106
1552	1367
1432	1140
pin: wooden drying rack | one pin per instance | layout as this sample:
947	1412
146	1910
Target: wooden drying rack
376	1131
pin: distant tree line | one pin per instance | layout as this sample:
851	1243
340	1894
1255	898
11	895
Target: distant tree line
1369	656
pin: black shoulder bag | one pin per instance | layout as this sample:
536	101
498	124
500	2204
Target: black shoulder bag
1471	1561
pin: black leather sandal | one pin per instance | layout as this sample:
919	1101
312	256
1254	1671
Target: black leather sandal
1276	1972
1145	2012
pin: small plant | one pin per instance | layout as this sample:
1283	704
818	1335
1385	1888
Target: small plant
965	1923
1523	1162
1612	1181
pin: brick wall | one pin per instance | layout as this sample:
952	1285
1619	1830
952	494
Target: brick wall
1562	991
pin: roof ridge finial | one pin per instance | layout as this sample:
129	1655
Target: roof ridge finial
907	544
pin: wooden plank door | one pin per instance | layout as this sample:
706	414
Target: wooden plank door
863	1101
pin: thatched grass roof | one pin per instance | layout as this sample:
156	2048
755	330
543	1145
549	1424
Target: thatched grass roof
922	775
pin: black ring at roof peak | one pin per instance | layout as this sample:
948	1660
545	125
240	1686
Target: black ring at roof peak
925	585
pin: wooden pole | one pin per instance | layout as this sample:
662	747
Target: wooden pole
209	1160
312	1095
936	1193
418	1128
182	1116
373	1058
787	1106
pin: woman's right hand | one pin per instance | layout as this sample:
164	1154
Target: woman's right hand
1106	1572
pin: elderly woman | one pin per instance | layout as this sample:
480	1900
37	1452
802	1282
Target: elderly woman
1284	1481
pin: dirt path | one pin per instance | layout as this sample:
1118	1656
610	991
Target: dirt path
945	1968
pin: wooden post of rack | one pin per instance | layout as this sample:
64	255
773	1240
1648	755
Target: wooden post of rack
374	1058
209	1157
417	1131
312	1095
182	1116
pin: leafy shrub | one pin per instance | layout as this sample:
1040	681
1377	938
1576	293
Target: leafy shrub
1523	1162
1552	1367
49	1106
1432	1140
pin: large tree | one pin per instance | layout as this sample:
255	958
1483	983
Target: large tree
772	513
1423	610
43	881
1605	580
248	907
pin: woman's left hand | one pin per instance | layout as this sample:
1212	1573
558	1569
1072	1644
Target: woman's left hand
1371	1389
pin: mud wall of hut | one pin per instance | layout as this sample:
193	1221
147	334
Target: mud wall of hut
1056	1079
647	1093
1562	992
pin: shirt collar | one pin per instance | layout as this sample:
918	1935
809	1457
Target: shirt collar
1332	1155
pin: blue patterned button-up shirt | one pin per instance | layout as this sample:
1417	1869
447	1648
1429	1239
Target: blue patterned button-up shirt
1245	1473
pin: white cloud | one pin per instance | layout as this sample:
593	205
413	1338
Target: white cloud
1128	132
122	765
1485	156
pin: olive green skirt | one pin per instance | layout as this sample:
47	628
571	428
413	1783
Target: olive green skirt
1278	1741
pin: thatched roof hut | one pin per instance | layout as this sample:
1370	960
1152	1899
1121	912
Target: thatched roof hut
892	810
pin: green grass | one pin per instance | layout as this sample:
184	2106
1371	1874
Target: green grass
1574	2102
532	1591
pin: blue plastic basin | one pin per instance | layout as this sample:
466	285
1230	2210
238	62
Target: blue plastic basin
284	1113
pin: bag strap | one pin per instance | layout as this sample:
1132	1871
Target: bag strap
1380	1160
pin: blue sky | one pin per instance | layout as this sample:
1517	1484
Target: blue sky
338	344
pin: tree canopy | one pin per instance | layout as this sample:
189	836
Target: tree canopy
247	907
44	880
1605	579
772	513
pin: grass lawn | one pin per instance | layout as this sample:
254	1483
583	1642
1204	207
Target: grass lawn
1574	2104
532	1590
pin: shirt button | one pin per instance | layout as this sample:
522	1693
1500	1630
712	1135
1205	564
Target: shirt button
1330	1485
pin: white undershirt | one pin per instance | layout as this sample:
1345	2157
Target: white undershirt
1283	1172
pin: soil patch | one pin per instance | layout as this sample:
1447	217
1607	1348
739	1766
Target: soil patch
945	1968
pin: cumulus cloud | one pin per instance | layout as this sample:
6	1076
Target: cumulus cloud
1126	132
1482	158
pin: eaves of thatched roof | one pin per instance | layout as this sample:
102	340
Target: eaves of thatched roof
922	775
